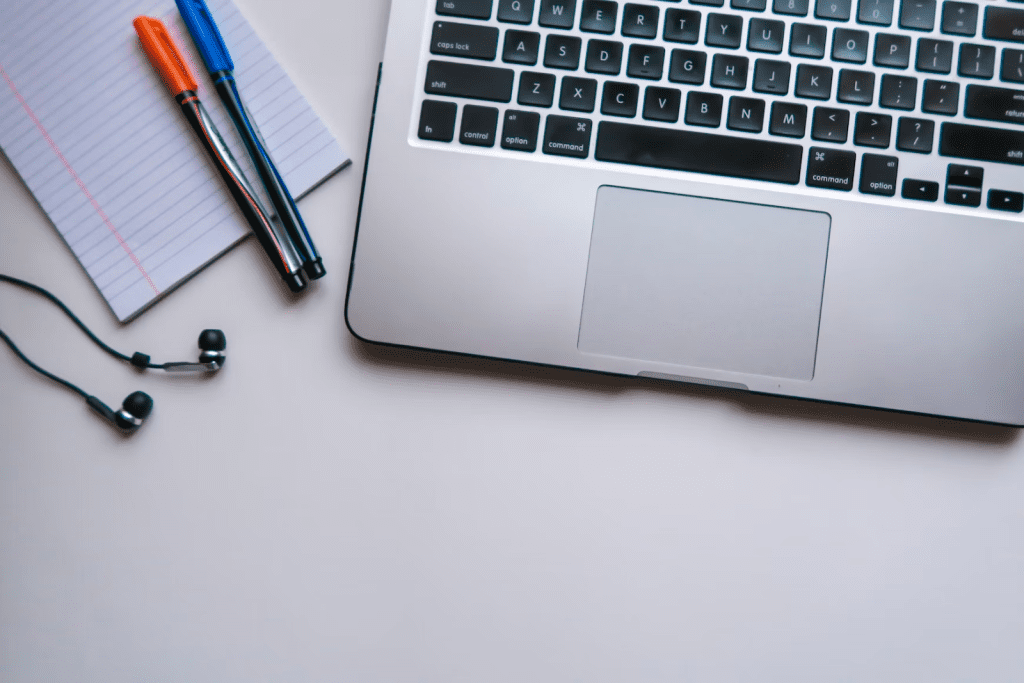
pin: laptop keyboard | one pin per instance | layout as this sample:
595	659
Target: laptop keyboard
917	100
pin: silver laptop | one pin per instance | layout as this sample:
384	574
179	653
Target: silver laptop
812	198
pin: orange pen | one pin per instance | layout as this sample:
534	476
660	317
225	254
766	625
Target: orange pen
167	60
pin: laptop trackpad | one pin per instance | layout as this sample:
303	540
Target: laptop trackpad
705	283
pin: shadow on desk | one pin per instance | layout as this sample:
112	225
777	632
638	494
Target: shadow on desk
756	405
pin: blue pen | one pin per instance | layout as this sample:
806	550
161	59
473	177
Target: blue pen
211	46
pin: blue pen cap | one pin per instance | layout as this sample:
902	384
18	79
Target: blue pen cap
206	35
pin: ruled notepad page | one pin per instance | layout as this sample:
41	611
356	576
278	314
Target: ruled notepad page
106	151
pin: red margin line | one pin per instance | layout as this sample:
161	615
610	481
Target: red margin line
78	181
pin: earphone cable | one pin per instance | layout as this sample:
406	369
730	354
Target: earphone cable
38	369
67	311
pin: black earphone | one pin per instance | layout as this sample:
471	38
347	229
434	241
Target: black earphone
138	405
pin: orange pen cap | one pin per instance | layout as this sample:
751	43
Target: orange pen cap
164	55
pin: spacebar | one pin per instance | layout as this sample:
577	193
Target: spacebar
684	150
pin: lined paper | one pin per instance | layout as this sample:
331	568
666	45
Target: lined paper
96	137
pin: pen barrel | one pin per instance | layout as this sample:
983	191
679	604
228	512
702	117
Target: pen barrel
280	197
280	250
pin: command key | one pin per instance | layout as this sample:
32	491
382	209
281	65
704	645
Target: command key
567	136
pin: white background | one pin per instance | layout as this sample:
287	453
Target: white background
323	510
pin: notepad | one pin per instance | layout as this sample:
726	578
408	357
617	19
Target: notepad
93	133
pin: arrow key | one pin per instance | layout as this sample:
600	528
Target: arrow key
1001	200
920	190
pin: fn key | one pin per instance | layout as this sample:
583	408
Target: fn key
437	121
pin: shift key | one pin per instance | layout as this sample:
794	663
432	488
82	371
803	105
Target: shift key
471	81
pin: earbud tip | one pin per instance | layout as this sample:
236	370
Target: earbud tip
212	340
139	404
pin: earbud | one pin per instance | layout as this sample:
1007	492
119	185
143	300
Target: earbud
212	344
135	409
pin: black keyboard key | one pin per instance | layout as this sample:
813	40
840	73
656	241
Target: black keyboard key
959	18
1013	66
959	196
807	40
536	89
963	185
685	150
920	190
971	177
687	66
977	61
1004	23
521	47
835	10
557	13
437	120
729	71
520	130
709	3
892	51
640	21
464	40
724	30
771	77
620	99
562	52
604	57
479	125
682	26
934	56
876	12
469	80
796	8
872	130
941	97
1001	200
850	46
704	109
898	92
814	82
830	125
878	174
995	104
599	16
471	9
745	114
831	169
918	15
645	61
567	136
766	35
515	11
752	5
662	104
915	135
578	94
856	87
788	120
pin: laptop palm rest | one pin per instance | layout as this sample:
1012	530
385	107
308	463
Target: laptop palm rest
705	283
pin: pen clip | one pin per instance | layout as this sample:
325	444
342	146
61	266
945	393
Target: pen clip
164	55
206	35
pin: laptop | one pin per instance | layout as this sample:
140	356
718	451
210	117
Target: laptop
819	199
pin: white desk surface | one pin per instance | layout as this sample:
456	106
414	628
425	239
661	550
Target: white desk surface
326	511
